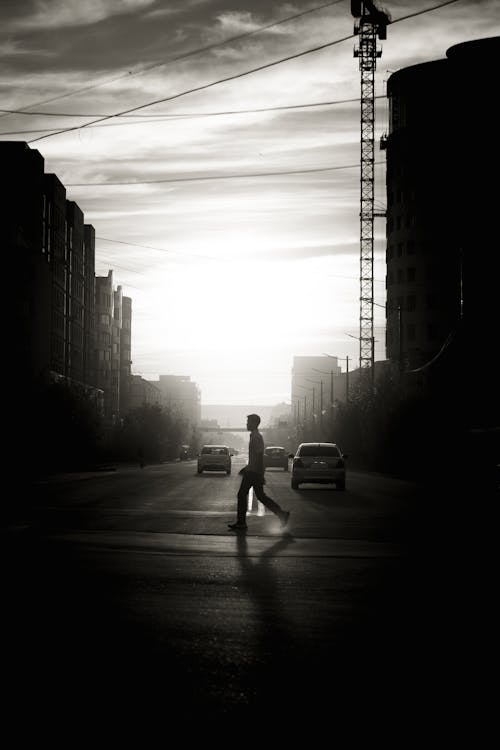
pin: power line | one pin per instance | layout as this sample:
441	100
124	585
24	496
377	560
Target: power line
424	10
193	115
241	175
228	78
183	56
160	249
194	90
164	116
202	257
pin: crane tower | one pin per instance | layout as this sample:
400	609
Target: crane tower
370	24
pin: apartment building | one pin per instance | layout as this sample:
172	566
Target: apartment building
442	262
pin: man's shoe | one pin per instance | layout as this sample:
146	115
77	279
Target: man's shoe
237	526
284	518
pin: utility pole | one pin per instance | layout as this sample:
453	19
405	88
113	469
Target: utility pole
331	402
370	23
347	379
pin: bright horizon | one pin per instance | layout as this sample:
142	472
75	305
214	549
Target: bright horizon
232	267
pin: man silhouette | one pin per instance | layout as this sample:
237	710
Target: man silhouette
253	476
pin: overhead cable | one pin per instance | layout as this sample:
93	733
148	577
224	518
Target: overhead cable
183	56
240	176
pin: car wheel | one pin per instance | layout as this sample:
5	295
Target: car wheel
295	485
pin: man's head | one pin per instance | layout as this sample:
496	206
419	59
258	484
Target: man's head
253	421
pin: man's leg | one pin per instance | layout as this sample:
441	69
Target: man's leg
245	485
271	504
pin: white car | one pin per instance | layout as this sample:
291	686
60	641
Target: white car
321	463
214	458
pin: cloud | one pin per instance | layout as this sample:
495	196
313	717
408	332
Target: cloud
14	47
63	13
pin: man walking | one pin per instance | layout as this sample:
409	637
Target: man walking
253	476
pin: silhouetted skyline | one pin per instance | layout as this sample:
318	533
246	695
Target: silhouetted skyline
201	242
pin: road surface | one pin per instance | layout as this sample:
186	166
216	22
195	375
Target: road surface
126	588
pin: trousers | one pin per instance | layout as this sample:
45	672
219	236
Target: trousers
251	479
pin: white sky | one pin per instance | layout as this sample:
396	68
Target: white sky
229	278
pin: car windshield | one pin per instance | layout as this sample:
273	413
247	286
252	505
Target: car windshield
319	450
215	450
274	451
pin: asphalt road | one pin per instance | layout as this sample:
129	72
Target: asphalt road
127	592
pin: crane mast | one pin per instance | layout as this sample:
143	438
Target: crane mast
370	24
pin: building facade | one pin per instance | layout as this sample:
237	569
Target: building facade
442	243
26	260
126	355
142	392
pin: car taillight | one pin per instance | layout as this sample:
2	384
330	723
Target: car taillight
297	462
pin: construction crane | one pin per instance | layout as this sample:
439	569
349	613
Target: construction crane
370	24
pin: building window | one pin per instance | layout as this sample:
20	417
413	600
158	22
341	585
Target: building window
401	275
411	303
410	274
398	222
410	246
400	249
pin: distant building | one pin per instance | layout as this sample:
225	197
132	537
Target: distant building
75	292
125	355
235	415
89	334
142	392
181	395
112	311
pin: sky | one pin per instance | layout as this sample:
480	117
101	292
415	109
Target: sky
227	202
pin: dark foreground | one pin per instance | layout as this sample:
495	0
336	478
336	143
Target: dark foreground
167	622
